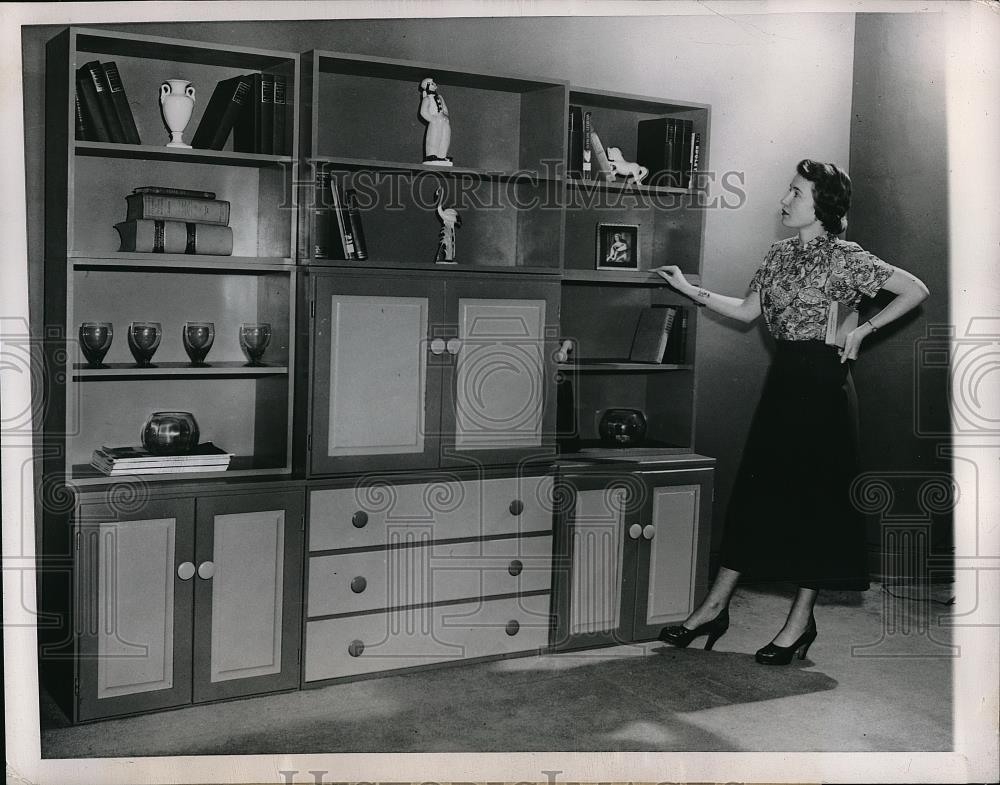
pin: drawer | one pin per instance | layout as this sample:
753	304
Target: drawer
392	578
372	516
423	636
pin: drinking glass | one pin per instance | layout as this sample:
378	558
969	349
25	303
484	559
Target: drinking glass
198	338
95	340
254	338
143	340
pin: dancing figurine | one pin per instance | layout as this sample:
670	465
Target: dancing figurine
446	237
438	135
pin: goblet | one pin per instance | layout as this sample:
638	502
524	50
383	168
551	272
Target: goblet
198	338
143	340
95	340
254	338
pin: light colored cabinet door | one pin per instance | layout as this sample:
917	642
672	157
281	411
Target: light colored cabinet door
134	596
672	556
247	594
499	402
376	374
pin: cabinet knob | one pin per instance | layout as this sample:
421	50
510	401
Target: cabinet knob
512	627
515	567
437	346
185	571
454	346
635	531
355	648
516	507
649	531
360	519
358	585
206	570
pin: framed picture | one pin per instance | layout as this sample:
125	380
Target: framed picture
617	246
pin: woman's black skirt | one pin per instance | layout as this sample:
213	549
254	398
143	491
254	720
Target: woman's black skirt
790	516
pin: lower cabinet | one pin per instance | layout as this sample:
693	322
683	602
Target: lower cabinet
186	599
631	553
402	575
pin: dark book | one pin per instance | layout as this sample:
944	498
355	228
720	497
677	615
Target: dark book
280	108
651	334
322	218
177	208
90	107
682	152
93	72
145	236
655	143
223	109
81	133
354	220
119	102
695	160
343	247
265	140
168	191
587	150
676	351
574	147
246	132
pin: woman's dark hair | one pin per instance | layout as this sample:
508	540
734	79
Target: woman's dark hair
831	193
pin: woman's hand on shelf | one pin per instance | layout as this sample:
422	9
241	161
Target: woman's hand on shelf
672	274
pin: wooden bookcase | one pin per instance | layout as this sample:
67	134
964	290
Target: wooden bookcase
423	350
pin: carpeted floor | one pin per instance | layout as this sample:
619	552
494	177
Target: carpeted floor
853	693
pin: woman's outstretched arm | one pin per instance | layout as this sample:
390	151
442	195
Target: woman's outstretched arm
745	310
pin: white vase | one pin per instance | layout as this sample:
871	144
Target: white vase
177	104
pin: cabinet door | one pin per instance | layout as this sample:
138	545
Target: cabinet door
673	548
499	393
134	593
594	566
376	373
247	594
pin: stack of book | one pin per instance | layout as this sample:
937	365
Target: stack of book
114	461
103	113
661	335
670	148
337	229
254	108
175	220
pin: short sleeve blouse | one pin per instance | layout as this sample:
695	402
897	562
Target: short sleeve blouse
798	282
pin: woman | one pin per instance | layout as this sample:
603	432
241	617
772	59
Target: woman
790	516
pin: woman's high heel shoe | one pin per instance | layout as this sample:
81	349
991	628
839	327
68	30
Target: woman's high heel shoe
772	654
680	636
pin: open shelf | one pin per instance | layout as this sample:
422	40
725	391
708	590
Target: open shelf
604	277
84	474
375	164
84	372
172	261
621	366
148	152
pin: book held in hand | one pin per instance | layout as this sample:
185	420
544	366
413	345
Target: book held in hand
840	320
652	334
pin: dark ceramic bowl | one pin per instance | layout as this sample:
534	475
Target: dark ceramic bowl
170	433
622	428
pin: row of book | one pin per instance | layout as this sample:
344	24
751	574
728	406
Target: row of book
103	113
254	108
337	229
661	335
116	461
668	147
175	220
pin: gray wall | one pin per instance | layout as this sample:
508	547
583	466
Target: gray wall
899	168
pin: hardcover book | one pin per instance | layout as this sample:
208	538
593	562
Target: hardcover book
676	351
280	107
344	248
177	208
354	219
90	105
322	227
119	103
840	320
652	333
587	168
223	109
168	191
247	131
663	145
93	72
146	236
574	166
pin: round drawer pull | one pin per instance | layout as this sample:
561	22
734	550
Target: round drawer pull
185	571
358	585
206	570
437	346
649	531
355	648
515	567
360	519
516	507
512	627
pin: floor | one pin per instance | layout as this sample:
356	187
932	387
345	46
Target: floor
854	692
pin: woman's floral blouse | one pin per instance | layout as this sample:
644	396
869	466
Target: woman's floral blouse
797	283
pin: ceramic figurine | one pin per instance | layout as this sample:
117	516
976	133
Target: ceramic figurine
446	237
177	104
622	168
434	112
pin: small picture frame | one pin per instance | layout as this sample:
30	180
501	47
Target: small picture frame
617	246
